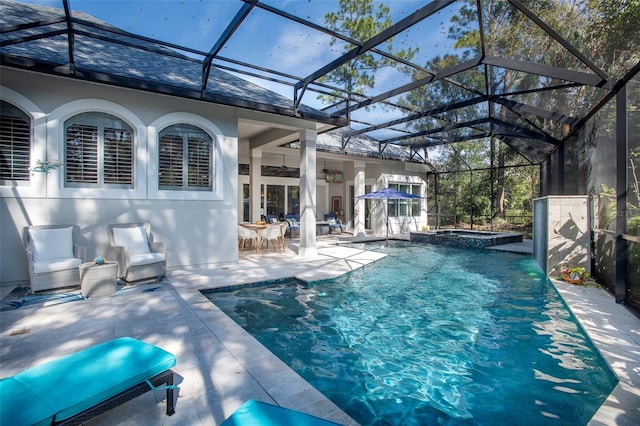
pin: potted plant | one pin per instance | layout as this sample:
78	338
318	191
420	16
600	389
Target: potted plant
572	274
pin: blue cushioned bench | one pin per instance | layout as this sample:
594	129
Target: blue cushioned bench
254	413
77	387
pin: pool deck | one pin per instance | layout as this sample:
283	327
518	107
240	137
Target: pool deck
220	365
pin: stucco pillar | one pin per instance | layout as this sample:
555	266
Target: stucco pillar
358	190
255	173
308	247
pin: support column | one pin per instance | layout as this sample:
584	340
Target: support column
359	204
622	148
308	247
255	174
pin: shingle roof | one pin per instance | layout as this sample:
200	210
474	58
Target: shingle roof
125	57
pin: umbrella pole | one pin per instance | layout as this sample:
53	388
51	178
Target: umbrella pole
387	215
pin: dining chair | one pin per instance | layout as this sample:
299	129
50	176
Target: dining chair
245	234
271	233
283	231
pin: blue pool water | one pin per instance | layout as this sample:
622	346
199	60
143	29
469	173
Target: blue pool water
432	335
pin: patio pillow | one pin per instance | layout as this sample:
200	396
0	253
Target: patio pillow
48	244
134	239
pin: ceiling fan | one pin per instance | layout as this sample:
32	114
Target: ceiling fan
325	170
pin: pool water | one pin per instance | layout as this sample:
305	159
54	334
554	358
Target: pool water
432	335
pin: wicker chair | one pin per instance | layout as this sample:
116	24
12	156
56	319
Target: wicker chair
245	234
271	233
53	256
283	231
139	257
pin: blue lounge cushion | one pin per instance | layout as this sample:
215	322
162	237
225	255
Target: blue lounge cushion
20	406
76	382
255	413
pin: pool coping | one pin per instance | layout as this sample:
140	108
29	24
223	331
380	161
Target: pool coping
615	332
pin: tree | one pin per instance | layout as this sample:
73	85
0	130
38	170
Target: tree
359	20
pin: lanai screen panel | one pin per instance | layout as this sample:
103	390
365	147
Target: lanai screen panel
525	72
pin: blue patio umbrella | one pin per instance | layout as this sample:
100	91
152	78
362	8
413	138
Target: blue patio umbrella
389	194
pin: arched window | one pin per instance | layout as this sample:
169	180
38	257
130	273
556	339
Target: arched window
15	145
185	159
98	151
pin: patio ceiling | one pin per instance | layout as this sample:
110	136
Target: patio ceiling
503	73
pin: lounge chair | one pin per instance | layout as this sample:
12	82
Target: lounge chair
255	413
334	223
139	257
80	386
53	255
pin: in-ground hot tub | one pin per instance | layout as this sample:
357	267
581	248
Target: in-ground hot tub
465	238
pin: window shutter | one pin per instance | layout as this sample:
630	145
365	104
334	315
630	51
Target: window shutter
199	163
185	158
170	161
118	156
81	157
15	145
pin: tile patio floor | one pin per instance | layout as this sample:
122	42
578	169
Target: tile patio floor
220	365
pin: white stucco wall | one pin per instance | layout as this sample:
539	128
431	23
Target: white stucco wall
196	230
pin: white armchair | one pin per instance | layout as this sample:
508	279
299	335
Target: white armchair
53	256
139	257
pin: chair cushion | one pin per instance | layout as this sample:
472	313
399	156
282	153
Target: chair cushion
145	258
47	244
133	238
56	265
73	383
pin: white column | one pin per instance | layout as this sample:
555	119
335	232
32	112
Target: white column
308	247
358	190
255	174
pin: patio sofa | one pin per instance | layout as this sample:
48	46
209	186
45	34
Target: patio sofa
77	387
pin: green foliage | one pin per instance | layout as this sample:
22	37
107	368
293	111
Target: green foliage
360	20
46	166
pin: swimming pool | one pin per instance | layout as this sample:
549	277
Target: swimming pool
432	335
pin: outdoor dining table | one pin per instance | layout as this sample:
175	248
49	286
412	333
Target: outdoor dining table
255	226
258	227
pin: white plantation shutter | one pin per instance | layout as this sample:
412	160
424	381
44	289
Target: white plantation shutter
118	156
81	155
15	144
98	151
170	167
185	158
199	163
